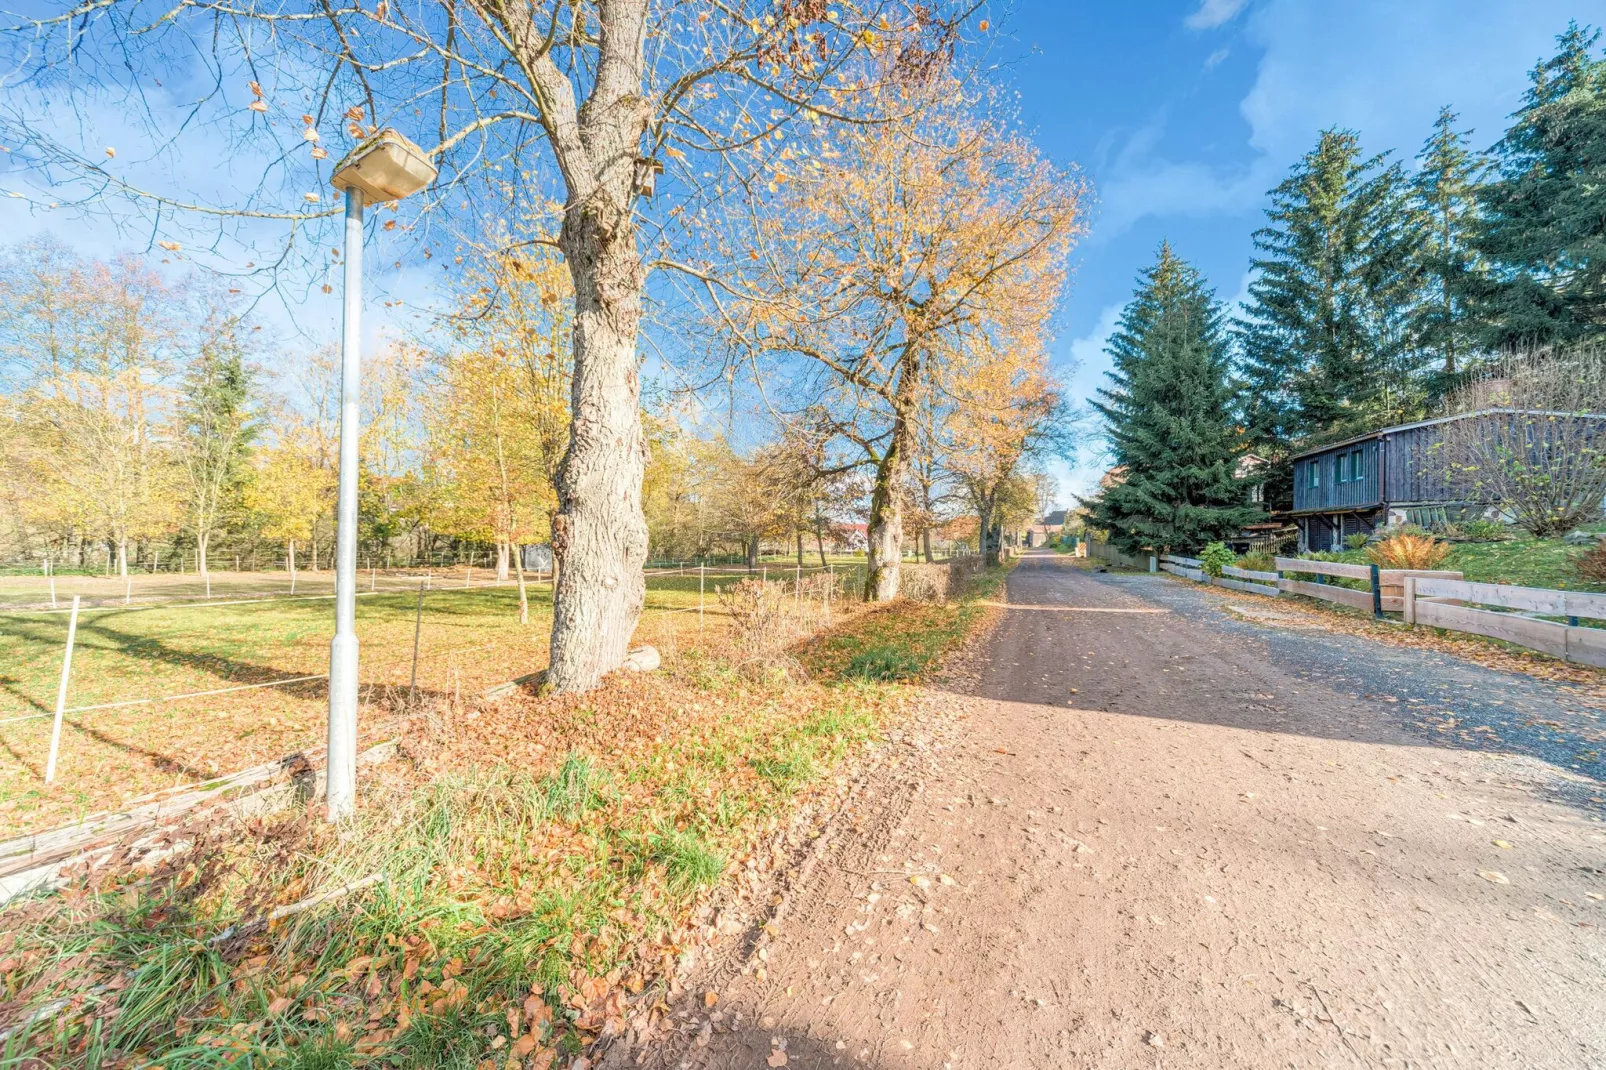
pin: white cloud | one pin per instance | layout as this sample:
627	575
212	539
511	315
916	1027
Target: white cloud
1213	13
1375	66
1216	58
1081	476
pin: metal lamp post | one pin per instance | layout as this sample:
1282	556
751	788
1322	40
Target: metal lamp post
385	167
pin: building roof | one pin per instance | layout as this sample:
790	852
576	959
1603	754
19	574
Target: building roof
1384	431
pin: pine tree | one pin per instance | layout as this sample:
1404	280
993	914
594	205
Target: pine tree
1325	342
1169	418
1444	191
1543	226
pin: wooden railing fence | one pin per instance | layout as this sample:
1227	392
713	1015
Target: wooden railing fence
1544	620
1536	618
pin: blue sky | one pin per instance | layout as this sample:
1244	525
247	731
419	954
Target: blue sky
1184	113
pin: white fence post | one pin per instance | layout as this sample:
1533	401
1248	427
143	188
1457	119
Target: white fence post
1410	600
61	693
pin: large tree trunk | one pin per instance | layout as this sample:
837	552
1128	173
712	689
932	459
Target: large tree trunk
819	540
884	532
799	547
501	564
752	554
599	544
201	539
122	558
925	539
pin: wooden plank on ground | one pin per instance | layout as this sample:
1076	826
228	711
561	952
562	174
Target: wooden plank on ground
1326	568
1545	636
1328	593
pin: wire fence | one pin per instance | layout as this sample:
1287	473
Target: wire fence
254	635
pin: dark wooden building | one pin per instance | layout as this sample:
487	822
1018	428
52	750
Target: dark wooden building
1396	475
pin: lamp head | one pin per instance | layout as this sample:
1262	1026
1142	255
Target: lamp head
384	167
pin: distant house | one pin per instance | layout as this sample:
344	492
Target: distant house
1391	476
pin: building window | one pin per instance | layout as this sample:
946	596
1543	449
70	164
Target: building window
1355	464
1313	477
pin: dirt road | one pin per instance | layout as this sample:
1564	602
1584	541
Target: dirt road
1149	839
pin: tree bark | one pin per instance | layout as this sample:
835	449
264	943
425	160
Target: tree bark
201	539
925	539
799	547
819	541
884	532
752	554
501	563
599	544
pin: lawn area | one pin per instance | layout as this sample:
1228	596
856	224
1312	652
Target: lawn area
1525	561
527	866
470	639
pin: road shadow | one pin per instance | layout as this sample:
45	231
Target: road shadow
1146	646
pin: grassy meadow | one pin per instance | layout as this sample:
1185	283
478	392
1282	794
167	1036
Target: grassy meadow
470	639
508	887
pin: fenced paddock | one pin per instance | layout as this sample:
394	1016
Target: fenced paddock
167	693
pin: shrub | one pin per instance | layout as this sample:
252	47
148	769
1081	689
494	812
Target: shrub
1484	531
1408	551
1591	564
1356	541
1215	557
1259	561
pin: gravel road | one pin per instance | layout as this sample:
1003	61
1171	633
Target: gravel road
1150	834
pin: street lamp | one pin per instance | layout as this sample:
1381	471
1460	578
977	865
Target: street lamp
385	167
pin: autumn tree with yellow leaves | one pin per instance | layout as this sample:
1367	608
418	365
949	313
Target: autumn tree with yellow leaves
894	263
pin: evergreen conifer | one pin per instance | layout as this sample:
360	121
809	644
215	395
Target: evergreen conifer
1169	418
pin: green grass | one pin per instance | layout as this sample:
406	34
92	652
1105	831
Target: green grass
903	642
1524	561
471	639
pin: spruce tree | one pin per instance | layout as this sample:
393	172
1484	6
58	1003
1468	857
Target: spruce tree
1542	223
1326	346
1444	190
1169	419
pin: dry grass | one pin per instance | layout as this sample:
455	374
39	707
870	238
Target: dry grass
1408	551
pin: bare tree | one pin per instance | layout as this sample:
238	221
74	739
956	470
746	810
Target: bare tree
1533	439
615	90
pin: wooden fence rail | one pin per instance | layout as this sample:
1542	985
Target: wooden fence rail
1544	620
1237	579
1368	600
1444	603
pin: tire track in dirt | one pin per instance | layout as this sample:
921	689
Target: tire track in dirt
1132	842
